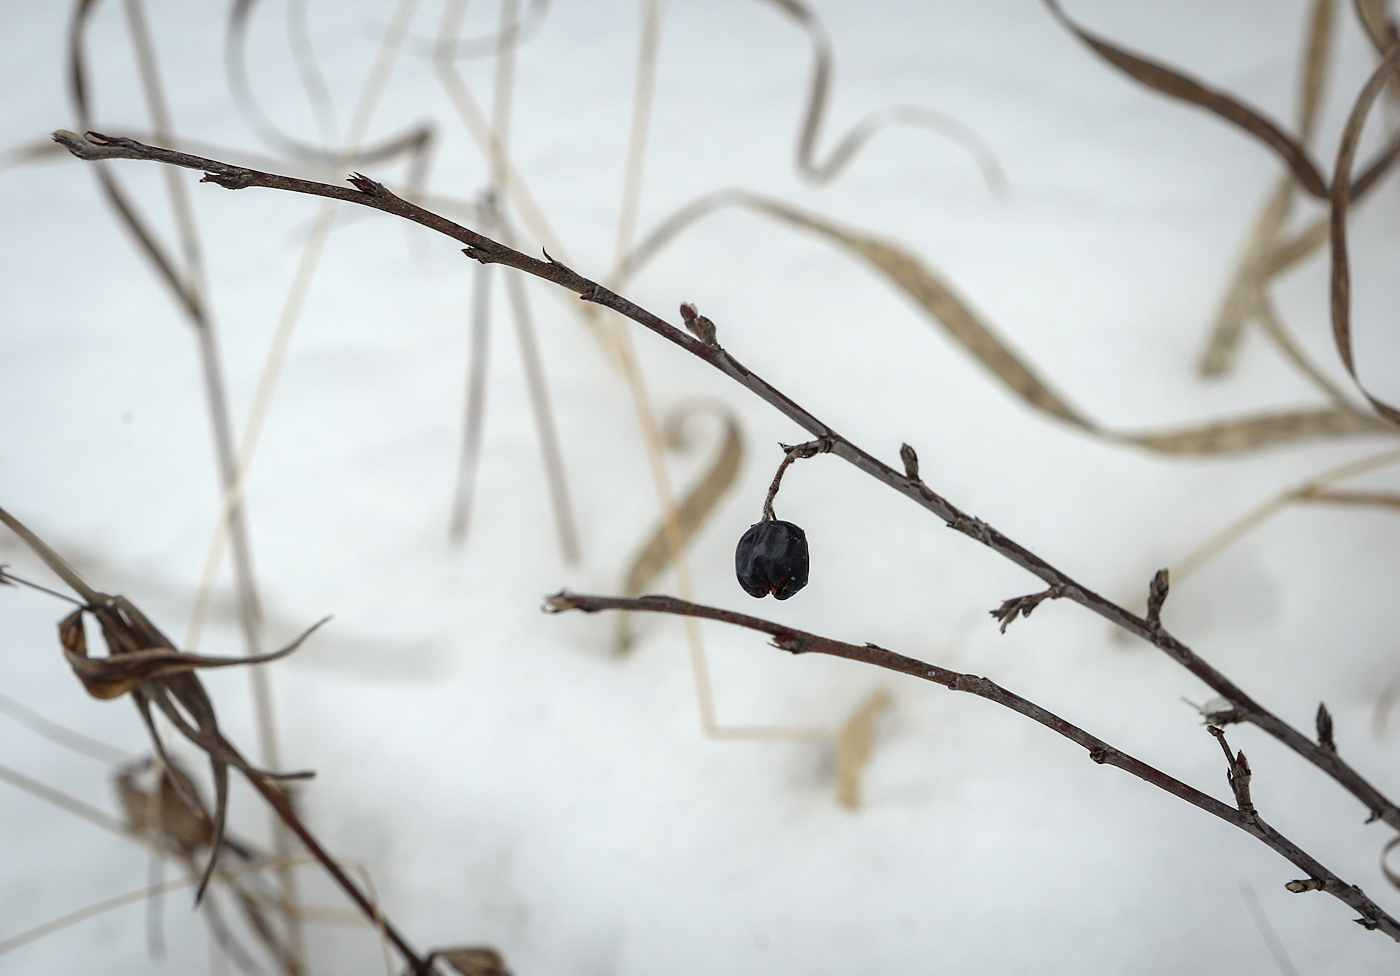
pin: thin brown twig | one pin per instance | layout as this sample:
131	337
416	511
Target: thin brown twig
1244	816
791	453
367	192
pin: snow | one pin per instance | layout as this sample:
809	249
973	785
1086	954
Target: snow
507	779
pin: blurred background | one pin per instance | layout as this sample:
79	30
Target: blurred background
425	449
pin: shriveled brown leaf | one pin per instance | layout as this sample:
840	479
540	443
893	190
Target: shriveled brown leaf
114	676
1171	82
142	661
168	810
702	498
1242	294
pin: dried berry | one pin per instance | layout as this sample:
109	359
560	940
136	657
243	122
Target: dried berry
772	558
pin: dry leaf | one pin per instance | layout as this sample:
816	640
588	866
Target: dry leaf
1171	82
1340	199
143	662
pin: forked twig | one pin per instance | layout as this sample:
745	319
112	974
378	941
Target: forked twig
1243	815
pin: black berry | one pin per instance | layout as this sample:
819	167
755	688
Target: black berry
772	558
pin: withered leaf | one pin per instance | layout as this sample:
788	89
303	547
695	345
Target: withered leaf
1171	82
1340	200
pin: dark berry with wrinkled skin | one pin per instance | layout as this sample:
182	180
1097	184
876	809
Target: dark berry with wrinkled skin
772	558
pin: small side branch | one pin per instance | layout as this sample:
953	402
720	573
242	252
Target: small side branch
1023	605
791	453
1239	774
1242	815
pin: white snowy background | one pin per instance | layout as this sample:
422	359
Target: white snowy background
508	780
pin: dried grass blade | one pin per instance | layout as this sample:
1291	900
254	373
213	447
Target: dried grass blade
416	142
1273	327
1171	82
474	416
62	800
52	559
819	89
1254	269
62	735
1261	513
695	507
313	82
1317	62
114	676
130	898
941	302
1249	278
1377	168
1376	22
1341	193
1379	499
1296	249
1265	430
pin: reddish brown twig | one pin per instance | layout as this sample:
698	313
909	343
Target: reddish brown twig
368	193
1244	816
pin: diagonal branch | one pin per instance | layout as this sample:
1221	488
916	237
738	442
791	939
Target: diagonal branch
368	193
1244	817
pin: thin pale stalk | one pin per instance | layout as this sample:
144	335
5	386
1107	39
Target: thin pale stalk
556	477
474	411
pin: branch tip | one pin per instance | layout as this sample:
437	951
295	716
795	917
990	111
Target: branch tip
561	601
1023	605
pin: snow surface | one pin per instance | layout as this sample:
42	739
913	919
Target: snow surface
502	775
